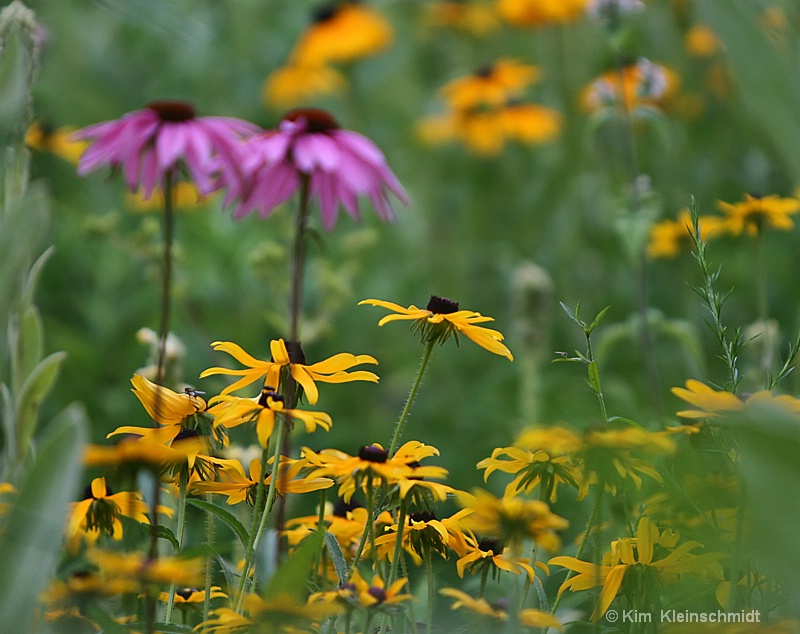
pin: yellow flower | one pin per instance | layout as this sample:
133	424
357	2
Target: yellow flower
701	41
331	370
238	487
668	237
231	411
442	318
135	571
526	618
422	533
540	12
511	518
491	85
468	16
296	84
374	463
475	554
163	405
342	32
532	469
184	196
710	402
375	595
146	451
192	595
756	212
100	512
651	549
56	140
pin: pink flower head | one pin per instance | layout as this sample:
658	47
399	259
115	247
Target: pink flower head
148	144
340	164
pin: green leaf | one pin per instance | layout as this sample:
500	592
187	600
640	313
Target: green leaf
597	319
29	345
337	556
573	315
225	516
594	377
33	390
32	533
32	279
291	577
162	532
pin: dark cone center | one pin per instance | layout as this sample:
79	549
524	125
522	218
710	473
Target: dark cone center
267	394
174	111
342	508
296	354
484	71
378	593
442	305
325	12
185	593
317	120
373	453
489	544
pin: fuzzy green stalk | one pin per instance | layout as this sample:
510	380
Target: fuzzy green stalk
258	511
398	544
320	563
534	553
431	593
209	559
180	529
412	620
412	395
298	260
593	520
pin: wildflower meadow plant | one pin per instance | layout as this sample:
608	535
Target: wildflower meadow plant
644	484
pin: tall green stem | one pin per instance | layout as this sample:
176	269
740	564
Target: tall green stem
412	395
298	261
209	559
258	511
180	528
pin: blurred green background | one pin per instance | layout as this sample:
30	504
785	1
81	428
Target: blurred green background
509	236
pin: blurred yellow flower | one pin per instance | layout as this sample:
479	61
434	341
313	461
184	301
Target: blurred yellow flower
40	136
297	84
491	85
473	17
185	196
668	237
540	12
342	32
710	402
755	213
641	83
651	549
530	618
701	41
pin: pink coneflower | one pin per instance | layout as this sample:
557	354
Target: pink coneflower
340	166
148	144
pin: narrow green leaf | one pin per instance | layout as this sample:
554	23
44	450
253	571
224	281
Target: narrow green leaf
292	575
33	390
33	530
594	377
337	556
30	345
225	516
573	315
162	532
32	279
597	319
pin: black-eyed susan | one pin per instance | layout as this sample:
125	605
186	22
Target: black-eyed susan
709	402
491	85
297	84
41	136
539	13
142	452
475	554
231	411
531	469
422	534
185	197
472	17
655	553
274	614
374	465
755	213
239	487
137	572
342	31
99	512
442	318
332	370
191	596
498	610
374	595
669	237
165	406
511	518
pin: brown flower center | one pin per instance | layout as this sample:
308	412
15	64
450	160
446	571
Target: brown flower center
296	354
378	593
174	111
373	453
317	120
442	305
325	12
342	508
267	394
489	544
484	71
88	495
185	593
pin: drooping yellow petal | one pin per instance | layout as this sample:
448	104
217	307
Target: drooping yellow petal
609	591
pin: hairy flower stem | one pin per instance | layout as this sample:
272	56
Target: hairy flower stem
180	527
398	544
258	512
593	521
209	559
431	589
412	395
